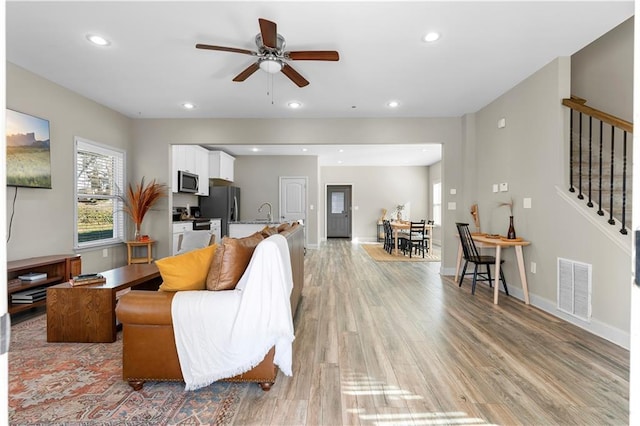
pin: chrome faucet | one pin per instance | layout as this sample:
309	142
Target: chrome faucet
269	213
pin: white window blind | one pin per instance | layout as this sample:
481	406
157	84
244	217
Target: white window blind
99	180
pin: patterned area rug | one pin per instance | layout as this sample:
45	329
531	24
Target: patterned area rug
81	384
377	253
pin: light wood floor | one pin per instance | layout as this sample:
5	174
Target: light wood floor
395	343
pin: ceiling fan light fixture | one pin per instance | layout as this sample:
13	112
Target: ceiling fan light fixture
271	65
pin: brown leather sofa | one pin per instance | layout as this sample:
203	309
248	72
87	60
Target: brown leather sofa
148	346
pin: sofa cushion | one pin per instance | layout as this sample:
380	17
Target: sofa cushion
283	227
230	261
268	231
186	271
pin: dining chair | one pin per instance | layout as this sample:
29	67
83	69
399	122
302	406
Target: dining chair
471	254
426	241
192	240
388	236
413	240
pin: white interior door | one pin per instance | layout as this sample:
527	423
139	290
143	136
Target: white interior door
293	198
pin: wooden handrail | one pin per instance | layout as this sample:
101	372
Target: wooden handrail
579	105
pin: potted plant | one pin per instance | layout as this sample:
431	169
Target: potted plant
139	199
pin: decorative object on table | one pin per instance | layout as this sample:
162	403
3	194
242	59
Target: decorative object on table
399	209
139	200
86	279
511	232
384	215
476	217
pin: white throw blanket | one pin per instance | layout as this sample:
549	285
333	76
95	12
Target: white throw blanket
221	334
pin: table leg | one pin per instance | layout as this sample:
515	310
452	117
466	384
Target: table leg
496	288
458	262
395	236
523	275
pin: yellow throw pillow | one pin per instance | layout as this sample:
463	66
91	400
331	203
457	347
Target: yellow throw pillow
186	271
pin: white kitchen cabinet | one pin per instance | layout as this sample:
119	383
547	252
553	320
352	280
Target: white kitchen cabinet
201	157
190	158
179	228
221	165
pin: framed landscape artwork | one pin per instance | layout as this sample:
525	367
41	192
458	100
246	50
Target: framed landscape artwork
28	150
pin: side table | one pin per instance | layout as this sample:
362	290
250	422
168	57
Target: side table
131	249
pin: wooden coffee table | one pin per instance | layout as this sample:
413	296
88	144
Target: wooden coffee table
87	313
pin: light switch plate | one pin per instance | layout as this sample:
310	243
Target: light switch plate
504	187
495	187
452	191
526	203
451	205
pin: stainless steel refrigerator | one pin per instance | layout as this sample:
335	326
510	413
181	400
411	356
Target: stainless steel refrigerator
223	202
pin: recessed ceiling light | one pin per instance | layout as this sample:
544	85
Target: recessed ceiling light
188	105
304	149
294	104
255	149
98	40
393	104
341	150
431	37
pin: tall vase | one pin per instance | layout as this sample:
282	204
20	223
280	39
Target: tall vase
511	233
137	236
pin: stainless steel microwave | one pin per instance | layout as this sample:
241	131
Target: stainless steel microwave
187	182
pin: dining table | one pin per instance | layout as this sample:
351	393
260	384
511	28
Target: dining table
499	242
399	226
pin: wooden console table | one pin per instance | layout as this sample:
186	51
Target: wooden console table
87	313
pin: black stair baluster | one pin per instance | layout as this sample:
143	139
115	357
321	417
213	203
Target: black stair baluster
590	203
611	221
580	196
600	211
623	231
571	166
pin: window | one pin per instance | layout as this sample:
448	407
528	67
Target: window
99	178
437	203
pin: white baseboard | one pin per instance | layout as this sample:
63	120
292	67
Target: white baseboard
600	329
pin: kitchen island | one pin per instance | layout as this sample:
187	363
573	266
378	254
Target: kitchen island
245	228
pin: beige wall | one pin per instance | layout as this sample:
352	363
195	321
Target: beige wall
375	188
258	177
43	221
529	155
602	72
153	137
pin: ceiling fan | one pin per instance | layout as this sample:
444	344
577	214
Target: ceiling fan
272	57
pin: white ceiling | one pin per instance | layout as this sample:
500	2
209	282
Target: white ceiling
152	65
347	155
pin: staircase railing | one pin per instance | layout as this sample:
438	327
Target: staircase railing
604	179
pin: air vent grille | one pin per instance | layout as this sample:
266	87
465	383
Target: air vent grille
574	288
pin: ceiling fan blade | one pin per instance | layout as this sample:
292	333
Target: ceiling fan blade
269	33
225	49
247	72
294	76
313	55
